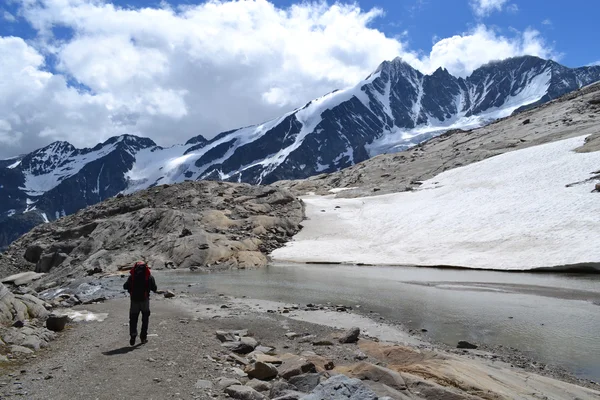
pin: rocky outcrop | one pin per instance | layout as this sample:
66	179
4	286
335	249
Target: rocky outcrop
22	318
196	225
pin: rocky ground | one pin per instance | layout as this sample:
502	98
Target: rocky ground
216	347
575	114
197	225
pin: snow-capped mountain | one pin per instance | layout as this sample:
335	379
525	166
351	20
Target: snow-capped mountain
392	109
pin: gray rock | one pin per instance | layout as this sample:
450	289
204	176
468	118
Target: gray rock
306	382
20	349
169	294
56	323
322	342
259	386
226	336
463	344
249	341
203	384
33	342
240	392
295	365
225	382
291	395
341	387
266	349
261	370
238	347
49	261
33	253
280	388
351	336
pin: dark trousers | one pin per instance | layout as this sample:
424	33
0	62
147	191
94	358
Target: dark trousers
135	309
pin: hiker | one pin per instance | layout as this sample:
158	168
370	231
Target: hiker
139	284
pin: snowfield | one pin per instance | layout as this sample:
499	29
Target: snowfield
510	212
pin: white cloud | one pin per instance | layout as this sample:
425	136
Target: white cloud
8	16
483	8
461	54
171	74
547	22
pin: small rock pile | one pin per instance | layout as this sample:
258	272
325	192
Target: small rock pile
268	375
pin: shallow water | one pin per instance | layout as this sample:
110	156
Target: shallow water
555	317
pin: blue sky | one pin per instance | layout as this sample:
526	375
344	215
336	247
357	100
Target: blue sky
86	70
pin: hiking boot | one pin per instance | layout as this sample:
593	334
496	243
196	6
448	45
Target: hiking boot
144	340
132	340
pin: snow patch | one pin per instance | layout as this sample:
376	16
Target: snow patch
509	212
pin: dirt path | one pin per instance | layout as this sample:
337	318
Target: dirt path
93	360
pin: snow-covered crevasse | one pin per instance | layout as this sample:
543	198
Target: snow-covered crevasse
510	212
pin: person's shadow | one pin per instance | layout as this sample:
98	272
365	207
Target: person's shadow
122	350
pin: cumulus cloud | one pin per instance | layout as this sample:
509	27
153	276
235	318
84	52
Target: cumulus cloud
173	73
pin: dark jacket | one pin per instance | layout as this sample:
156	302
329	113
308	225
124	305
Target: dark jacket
139	287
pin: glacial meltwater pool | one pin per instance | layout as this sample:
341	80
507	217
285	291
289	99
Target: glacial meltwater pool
554	318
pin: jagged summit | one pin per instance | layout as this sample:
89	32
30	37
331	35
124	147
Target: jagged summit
396	107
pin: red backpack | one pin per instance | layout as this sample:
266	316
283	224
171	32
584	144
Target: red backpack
140	281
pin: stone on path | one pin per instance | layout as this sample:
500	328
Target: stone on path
204	384
294	365
259	386
225	382
351	336
261	370
340	387
240	392
306	382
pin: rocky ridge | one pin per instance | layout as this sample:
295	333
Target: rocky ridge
196	225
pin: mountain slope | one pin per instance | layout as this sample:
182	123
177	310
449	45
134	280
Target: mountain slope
520	194
394	108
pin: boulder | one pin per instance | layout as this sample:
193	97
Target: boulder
306	382
341	387
259	386
169	294
295	365
20	349
291	395
225	382
240	392
49	261
238	347
226	336
33	253
321	363
279	389
33	342
56	323
24	278
261	370
463	344
258	356
249	341
351	336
